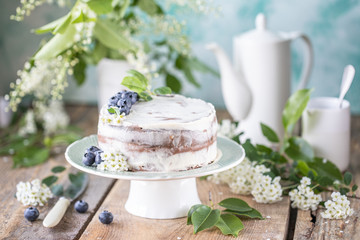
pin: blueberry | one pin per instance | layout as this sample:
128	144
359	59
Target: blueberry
81	206
31	214
124	103
88	159
106	217
92	149
113	100
134	97
98	159
125	110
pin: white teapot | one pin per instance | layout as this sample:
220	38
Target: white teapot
256	88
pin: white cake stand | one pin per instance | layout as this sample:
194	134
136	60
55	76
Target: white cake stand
160	195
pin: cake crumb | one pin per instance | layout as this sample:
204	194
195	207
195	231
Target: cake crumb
347	221
178	238
268	217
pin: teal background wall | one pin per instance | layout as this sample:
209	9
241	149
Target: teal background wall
333	26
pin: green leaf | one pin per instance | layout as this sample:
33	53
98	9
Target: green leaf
146	96
124	6
79	71
48	181
344	190
299	149
163	90
77	179
235	204
50	26
252	214
57	44
109	35
30	156
324	181
229	225
139	75
172	82
303	167
263	148
191	211
57	189
61	27
251	151
324	167
99	6
204	217
150	7
80	18
294	108
181	63
65	138
98	53
347	178
134	84
269	133
58	169
114	110
190	77
354	188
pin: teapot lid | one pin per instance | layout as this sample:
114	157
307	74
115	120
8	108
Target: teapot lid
260	33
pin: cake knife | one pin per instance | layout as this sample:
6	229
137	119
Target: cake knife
70	194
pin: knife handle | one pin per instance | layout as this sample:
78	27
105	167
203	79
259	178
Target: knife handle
56	213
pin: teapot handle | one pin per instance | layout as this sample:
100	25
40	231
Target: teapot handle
308	61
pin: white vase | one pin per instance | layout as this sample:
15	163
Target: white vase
110	74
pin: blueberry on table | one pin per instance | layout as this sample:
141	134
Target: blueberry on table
88	159
98	159
81	206
31	214
106	217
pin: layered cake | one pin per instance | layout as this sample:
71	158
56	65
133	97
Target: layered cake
168	133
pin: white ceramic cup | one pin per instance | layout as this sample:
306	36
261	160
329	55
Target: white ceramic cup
326	127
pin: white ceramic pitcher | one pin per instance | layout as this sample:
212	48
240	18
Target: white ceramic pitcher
256	88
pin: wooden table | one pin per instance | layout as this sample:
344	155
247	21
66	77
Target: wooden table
281	222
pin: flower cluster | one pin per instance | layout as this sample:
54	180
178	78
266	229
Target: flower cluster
113	118
267	190
303	197
226	129
338	207
33	193
27	6
113	161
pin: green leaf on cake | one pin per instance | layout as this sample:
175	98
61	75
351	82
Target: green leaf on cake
163	90
229	224
145	96
134	84
114	110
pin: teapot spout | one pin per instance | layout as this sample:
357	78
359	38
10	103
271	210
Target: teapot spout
236	92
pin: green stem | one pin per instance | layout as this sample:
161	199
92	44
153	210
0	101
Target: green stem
290	186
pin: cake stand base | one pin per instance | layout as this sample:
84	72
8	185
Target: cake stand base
162	199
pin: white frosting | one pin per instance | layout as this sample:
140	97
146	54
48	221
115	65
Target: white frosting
168	133
167	112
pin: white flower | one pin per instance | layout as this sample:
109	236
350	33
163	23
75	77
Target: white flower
52	116
33	193
267	190
226	129
29	126
113	161
303	197
338	207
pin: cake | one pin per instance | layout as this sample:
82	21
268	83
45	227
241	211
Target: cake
168	133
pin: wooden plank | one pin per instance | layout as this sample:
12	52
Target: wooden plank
127	226
13	225
335	229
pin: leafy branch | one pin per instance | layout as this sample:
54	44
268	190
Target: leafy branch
227	221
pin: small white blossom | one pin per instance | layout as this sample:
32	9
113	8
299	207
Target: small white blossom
33	193
303	197
267	190
338	207
113	161
29	126
226	129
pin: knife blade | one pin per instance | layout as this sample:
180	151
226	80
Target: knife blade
74	190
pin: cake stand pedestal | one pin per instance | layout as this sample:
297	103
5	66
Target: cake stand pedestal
160	195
